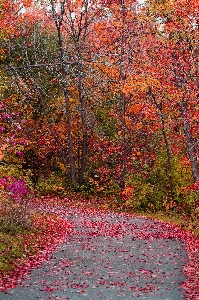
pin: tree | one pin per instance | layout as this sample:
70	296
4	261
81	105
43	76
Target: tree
179	30
105	88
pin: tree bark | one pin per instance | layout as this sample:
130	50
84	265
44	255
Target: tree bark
84	122
123	103
79	37
181	82
168	152
58	19
190	142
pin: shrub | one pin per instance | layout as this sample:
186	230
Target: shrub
151	190
15	198
54	185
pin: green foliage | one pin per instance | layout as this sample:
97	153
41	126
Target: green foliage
15	170
93	186
12	248
14	215
151	191
106	123
14	211
146	195
10	170
88	188
52	185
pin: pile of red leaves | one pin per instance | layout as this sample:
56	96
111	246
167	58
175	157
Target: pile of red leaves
48	231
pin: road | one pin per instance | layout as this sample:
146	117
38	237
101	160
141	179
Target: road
109	256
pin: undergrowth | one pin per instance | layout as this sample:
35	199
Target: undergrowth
18	245
23	232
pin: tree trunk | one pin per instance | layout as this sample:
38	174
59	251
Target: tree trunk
123	103
181	82
84	122
168	152
190	143
58	19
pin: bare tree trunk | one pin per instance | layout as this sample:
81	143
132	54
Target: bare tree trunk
79	38
82	155
57	140
168	152
123	102
84	142
83	120
58	19
181	82
190	143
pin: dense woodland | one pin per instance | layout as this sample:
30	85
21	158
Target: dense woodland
101	98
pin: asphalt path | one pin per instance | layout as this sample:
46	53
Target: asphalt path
109	256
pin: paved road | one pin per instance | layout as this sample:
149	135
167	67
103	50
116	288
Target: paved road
109	256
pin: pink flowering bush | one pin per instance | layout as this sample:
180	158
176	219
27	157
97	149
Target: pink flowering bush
15	198
16	188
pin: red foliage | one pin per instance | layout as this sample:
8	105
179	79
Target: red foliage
193	187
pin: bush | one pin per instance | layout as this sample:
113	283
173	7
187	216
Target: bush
15	198
54	185
151	190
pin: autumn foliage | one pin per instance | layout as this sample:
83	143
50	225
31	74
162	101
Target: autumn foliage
102	98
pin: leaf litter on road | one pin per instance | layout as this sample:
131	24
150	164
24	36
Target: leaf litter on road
114	256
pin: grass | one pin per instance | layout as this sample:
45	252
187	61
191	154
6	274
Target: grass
12	247
19	244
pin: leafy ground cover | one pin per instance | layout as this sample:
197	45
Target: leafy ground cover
23	249
180	227
183	220
114	255
29	248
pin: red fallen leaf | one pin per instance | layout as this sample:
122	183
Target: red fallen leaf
87	273
48	289
65	264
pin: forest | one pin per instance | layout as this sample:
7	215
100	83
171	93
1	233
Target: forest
99	99
99	106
